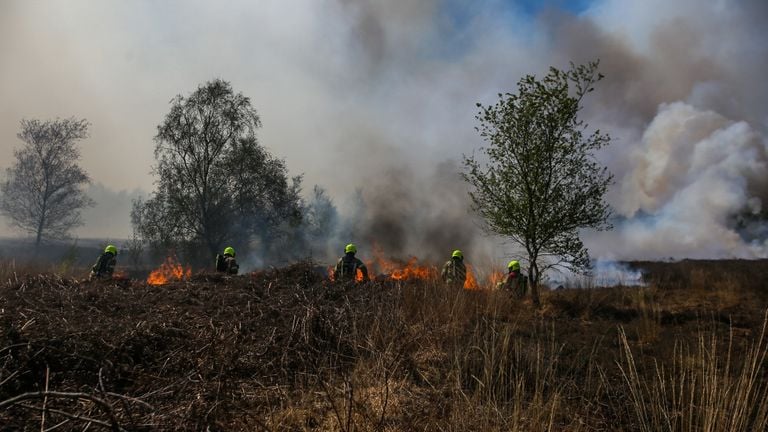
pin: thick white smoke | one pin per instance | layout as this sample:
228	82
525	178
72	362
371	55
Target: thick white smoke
692	174
352	91
689	118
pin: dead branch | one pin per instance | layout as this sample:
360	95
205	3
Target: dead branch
67	395
73	416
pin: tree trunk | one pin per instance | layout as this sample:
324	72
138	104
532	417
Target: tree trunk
533	278
39	236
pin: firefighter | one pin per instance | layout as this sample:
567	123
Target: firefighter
105	265
348	265
454	271
515	282
226	263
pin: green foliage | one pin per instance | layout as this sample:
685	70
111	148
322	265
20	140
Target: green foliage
216	184
541	183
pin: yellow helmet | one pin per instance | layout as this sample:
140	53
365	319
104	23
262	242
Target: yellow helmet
111	249
229	250
514	265
350	248
457	254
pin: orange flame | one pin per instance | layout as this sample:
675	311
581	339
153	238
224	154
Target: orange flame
359	276
470	282
332	277
495	277
413	269
403	271
169	271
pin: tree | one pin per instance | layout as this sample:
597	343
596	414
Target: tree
43	192
216	185
321	220
541	183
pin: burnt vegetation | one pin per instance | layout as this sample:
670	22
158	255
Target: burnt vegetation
285	349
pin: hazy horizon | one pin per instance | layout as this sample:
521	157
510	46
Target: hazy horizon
380	96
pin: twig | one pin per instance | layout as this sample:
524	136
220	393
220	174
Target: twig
74	417
54	427
16	372
13	346
101	383
386	400
28	323
68	395
45	399
132	399
348	385
122	399
328	395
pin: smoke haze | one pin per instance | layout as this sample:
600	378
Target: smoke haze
380	97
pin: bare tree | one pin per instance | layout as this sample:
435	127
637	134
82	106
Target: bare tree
43	191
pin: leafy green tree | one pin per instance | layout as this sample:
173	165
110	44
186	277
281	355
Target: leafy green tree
540	183
216	185
43	192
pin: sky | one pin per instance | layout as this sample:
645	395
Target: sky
380	96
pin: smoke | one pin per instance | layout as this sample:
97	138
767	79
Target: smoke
429	218
689	116
605	273
377	98
693	171
110	218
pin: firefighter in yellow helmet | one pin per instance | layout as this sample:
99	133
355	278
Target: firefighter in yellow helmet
226	263
515	282
454	271
105	264
348	265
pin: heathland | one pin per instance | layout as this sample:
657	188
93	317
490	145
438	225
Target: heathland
286	349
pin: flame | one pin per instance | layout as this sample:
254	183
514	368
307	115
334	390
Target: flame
495	277
359	276
169	271
332	278
470	283
402	271
393	269
413	269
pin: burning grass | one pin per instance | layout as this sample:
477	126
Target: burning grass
288	350
414	270
169	271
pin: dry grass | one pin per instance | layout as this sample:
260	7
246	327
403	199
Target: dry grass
283	350
702	388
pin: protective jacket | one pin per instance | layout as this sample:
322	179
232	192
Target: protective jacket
104	266
516	283
454	272
347	267
226	264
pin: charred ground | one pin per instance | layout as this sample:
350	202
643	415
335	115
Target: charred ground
286	350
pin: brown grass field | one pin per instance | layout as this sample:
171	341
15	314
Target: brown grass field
286	350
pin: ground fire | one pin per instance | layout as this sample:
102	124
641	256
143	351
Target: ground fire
171	270
470	282
495	277
382	268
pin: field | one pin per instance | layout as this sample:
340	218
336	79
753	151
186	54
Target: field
287	350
